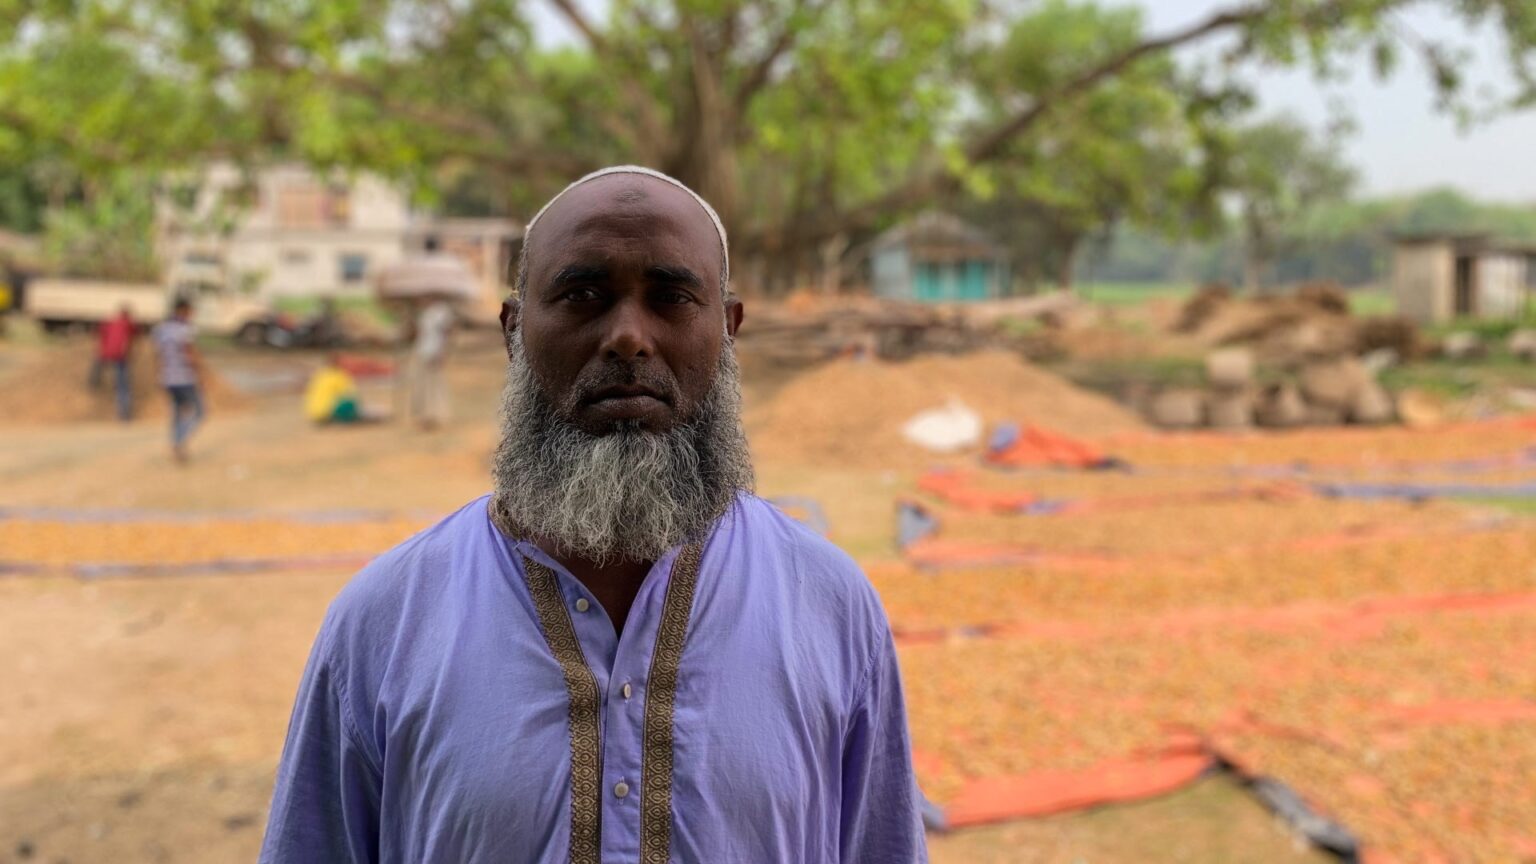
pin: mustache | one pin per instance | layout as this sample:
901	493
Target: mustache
593	381
628	495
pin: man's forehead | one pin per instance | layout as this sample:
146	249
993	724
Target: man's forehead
633	203
599	201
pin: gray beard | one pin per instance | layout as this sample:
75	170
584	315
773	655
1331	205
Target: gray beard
629	495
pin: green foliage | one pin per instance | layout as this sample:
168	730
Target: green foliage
304	307
1278	174
804	121
1498	373
21	203
1130	151
107	233
1491	331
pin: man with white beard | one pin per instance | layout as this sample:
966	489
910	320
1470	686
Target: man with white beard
622	654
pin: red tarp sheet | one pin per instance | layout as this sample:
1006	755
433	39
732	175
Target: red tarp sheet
996	799
1035	446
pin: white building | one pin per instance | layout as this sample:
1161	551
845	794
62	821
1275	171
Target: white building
1441	277
289	232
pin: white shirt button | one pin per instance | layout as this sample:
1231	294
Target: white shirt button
620	789
582	605
627	690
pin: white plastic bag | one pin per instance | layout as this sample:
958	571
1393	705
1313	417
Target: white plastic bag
944	430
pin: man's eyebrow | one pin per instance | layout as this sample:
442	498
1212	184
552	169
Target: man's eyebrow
669	275
576	274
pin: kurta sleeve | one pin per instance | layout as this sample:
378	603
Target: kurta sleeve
325	807
881	813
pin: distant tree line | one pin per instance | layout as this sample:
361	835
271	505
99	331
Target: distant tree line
1347	241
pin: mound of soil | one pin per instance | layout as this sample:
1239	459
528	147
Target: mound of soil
54	387
850	412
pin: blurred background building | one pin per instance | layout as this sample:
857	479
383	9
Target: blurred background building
287	231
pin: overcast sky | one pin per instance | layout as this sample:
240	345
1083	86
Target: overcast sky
1400	142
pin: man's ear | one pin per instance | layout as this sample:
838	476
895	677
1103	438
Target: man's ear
509	310
734	311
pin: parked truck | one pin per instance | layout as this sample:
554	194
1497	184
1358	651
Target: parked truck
60	304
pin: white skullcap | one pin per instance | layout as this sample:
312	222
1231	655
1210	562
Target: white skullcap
725	254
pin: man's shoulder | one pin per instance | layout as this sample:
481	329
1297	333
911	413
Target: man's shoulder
807	557
800	575
404	582
764	516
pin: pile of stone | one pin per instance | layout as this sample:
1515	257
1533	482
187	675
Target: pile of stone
1467	345
1313	320
1323	361
1324	391
810	330
1522	345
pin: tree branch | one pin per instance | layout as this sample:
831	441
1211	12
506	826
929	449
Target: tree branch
578	19
448	121
101	152
757	77
651	131
990	145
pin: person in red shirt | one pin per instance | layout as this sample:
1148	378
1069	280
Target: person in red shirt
114	344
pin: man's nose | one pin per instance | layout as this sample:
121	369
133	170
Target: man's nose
627	335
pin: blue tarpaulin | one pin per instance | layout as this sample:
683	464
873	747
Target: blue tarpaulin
913	523
1422	491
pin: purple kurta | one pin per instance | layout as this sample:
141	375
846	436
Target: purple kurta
467	700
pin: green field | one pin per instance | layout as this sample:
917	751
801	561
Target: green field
1518	506
1131	293
1361	302
1372	301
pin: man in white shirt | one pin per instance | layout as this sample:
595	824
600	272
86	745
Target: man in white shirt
429	392
180	374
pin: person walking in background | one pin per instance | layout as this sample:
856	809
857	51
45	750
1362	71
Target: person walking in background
180	374
114	345
429	391
430	283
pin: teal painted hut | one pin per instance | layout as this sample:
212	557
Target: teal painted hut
937	258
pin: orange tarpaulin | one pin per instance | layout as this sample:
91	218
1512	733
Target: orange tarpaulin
954	487
1035	446
996	799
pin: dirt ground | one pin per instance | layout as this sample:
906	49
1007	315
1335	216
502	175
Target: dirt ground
145	709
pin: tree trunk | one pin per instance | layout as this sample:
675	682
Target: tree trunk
706	157
1067	243
1253	270
832	264
1255	250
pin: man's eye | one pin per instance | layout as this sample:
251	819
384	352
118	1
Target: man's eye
579	295
675	297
